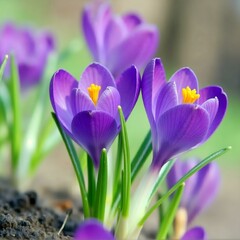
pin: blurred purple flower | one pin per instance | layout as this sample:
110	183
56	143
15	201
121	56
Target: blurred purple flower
88	109
200	189
181	116
118	41
31	50
92	229
195	233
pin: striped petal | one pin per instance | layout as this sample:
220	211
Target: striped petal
215	92
96	74
128	86
94	131
61	86
183	78
180	129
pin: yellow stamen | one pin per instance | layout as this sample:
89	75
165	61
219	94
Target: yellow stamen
93	91
189	95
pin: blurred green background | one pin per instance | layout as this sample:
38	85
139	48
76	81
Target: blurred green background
204	35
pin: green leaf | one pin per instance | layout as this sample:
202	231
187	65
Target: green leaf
199	166
117	169
170	213
15	126
2	67
136	165
162	175
101	192
141	155
76	164
91	183
126	181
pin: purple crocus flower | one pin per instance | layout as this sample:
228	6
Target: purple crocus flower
118	41
88	109
181	116
92	229
31	50
200	189
195	233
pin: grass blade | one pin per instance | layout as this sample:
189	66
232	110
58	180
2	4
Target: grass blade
15	128
126	181
141	155
77	167
101	192
170	213
2	67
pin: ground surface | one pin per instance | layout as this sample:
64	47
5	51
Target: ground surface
23	216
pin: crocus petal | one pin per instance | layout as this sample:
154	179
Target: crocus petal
88	31
60	88
184	77
94	131
115	33
94	20
205	191
29	74
31	50
128	86
195	233
96	74
109	101
180	129
80	101
92	229
211	105
200	189
179	169
138	48
212	92
154	77
132	20
167	99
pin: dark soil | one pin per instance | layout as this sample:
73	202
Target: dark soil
23	217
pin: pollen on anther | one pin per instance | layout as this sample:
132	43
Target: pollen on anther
189	95
93	91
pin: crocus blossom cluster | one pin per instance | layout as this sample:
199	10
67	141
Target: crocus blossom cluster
180	115
88	109
117	42
30	49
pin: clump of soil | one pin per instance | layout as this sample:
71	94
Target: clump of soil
23	217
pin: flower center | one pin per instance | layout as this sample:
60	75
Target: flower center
189	95
93	91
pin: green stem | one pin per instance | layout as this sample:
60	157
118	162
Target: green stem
77	166
170	214
91	183
141	155
101	192
118	166
15	128
126	167
2	66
